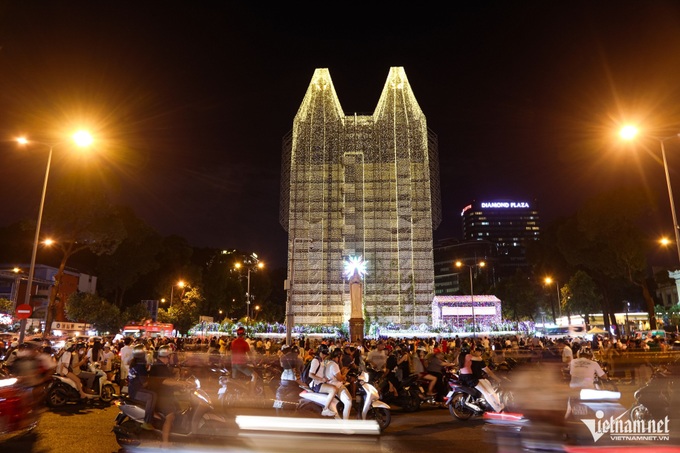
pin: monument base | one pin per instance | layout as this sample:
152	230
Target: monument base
356	330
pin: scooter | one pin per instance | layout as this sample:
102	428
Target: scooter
18	407
234	391
653	400
197	421
369	406
464	402
408	394
62	390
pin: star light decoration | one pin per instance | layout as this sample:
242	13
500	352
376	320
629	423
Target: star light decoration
355	264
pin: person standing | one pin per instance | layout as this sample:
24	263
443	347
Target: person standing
240	356
125	357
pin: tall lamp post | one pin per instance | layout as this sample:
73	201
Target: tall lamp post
81	139
472	292
629	133
180	284
252	263
549	281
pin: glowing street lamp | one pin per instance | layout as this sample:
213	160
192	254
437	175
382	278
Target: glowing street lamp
630	132
180	284
549	281
252	263
472	292
81	139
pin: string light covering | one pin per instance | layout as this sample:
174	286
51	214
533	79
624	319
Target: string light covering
355	264
360	185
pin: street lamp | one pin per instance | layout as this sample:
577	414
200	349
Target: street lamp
257	311
180	284
472	293
548	281
81	139
629	132
252	263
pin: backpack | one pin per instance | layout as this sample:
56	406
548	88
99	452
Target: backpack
304	376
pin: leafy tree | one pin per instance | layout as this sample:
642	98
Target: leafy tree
605	239
92	309
581	296
184	313
79	217
137	312
132	259
518	295
6	306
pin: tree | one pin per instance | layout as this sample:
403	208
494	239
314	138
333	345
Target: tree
605	239
92	309
184	313
137	312
581	296
133	258
79	217
6	306
518	295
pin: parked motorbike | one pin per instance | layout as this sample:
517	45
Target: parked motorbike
197	421
464	402
408	394
368	404
234	391
654	399
62	390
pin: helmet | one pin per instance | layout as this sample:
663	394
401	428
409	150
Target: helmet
323	349
241	331
138	351
68	345
164	351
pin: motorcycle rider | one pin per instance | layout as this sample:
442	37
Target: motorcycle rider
336	377
162	381
319	381
64	367
240	352
583	371
291	363
138	376
472	369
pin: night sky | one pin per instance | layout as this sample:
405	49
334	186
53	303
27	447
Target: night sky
190	100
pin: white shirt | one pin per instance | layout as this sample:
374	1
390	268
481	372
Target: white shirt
567	354
316	368
583	372
331	371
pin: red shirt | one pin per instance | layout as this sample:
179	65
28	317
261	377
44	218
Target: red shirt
239	349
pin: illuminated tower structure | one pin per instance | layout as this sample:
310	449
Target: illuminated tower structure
360	185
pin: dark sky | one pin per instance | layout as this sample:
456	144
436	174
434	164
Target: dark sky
190	100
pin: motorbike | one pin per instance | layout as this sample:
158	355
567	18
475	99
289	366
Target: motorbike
62	390
464	402
368	404
234	391
196	421
408	394
654	399
18	409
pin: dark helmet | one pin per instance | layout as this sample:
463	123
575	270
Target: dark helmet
138	351
323	349
164	351
241	331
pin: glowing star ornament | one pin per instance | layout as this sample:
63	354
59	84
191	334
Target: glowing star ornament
355	264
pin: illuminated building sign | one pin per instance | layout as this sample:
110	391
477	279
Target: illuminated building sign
505	204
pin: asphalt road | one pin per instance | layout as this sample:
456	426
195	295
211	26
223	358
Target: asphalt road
88	429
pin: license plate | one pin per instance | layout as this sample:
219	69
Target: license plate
278	404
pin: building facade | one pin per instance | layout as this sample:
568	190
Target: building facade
509	224
360	185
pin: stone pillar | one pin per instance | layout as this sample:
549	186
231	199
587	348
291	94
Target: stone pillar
356	319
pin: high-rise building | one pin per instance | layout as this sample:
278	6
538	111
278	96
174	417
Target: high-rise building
360	185
510	225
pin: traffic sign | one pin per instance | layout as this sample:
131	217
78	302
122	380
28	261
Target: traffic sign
24	311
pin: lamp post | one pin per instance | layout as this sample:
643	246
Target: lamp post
472	293
548	281
82	139
252	263
181	284
629	133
